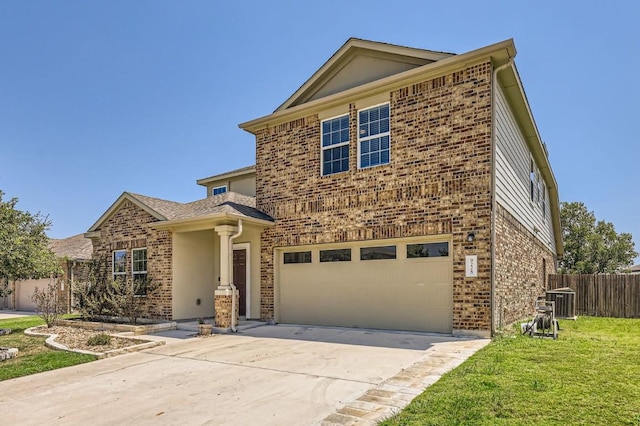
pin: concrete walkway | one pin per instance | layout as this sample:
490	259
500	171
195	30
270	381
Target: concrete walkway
8	314
270	375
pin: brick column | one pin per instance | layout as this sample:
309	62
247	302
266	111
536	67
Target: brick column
222	299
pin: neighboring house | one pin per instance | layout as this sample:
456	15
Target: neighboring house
74	254
635	269
397	188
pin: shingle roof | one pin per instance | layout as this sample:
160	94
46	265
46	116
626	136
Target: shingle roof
77	247
228	202
236	172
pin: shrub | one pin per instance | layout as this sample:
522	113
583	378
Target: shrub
100	339
100	295
48	304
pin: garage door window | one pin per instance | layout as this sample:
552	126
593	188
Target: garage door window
297	257
338	255
375	253
427	250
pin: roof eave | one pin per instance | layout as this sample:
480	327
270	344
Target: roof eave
116	204
205	221
347	50
499	53
514	91
205	181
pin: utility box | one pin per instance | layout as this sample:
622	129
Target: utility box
565	302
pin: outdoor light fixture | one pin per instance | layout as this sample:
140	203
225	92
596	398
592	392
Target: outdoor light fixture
470	237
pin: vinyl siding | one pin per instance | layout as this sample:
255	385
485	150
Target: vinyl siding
512	175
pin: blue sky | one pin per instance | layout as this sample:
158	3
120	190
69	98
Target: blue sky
101	97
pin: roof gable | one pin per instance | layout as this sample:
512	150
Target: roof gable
359	62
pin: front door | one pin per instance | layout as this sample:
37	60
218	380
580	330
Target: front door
240	279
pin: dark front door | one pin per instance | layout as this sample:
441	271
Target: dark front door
240	279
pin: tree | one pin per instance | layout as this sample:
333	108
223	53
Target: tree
590	246
24	246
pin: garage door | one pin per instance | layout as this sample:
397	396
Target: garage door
396	285
24	291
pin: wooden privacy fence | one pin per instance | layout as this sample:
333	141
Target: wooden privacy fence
610	295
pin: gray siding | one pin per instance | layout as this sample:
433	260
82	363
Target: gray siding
512	175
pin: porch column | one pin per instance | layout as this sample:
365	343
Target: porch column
223	296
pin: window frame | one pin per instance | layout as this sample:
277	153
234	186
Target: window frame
428	243
365	258
136	275
349	249
298	257
371	137
214	188
324	148
122	261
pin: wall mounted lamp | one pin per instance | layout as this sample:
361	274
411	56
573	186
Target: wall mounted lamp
471	237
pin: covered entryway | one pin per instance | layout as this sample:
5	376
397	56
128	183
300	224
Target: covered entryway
384	284
240	269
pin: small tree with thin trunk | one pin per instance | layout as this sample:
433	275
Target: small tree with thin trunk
48	304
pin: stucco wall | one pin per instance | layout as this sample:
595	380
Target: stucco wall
438	182
195	272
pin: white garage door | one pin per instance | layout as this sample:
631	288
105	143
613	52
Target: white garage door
24	291
391	284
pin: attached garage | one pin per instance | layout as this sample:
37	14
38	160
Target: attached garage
24	291
385	284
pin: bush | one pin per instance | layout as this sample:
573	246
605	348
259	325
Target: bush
100	339
100	295
48	304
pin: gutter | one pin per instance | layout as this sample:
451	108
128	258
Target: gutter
234	295
494	202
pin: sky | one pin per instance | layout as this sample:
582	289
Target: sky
101	97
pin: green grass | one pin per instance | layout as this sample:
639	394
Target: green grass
33	356
589	376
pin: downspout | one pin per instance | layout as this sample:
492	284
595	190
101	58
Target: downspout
234	301
493	190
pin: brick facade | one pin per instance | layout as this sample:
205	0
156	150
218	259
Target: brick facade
438	182
128	228
522	263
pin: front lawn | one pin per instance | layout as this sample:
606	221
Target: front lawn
33	356
589	376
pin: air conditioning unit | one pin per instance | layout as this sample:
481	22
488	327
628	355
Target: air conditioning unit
565	302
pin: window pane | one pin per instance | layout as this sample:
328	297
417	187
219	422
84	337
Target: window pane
335	160
338	255
427	250
120	262
373	253
219	190
297	257
364	161
335	131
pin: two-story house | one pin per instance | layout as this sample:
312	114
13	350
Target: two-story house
397	188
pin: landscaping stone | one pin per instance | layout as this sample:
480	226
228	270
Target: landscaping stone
8	353
5	331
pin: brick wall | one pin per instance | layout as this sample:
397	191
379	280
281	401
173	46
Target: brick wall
522	264
438	182
127	229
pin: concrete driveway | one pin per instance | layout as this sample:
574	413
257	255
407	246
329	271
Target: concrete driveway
271	375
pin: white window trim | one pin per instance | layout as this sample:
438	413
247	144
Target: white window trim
379	135
247	248
226	189
323	148
133	271
115	274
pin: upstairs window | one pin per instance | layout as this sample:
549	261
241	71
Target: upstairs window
335	145
119	264
219	190
373	136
